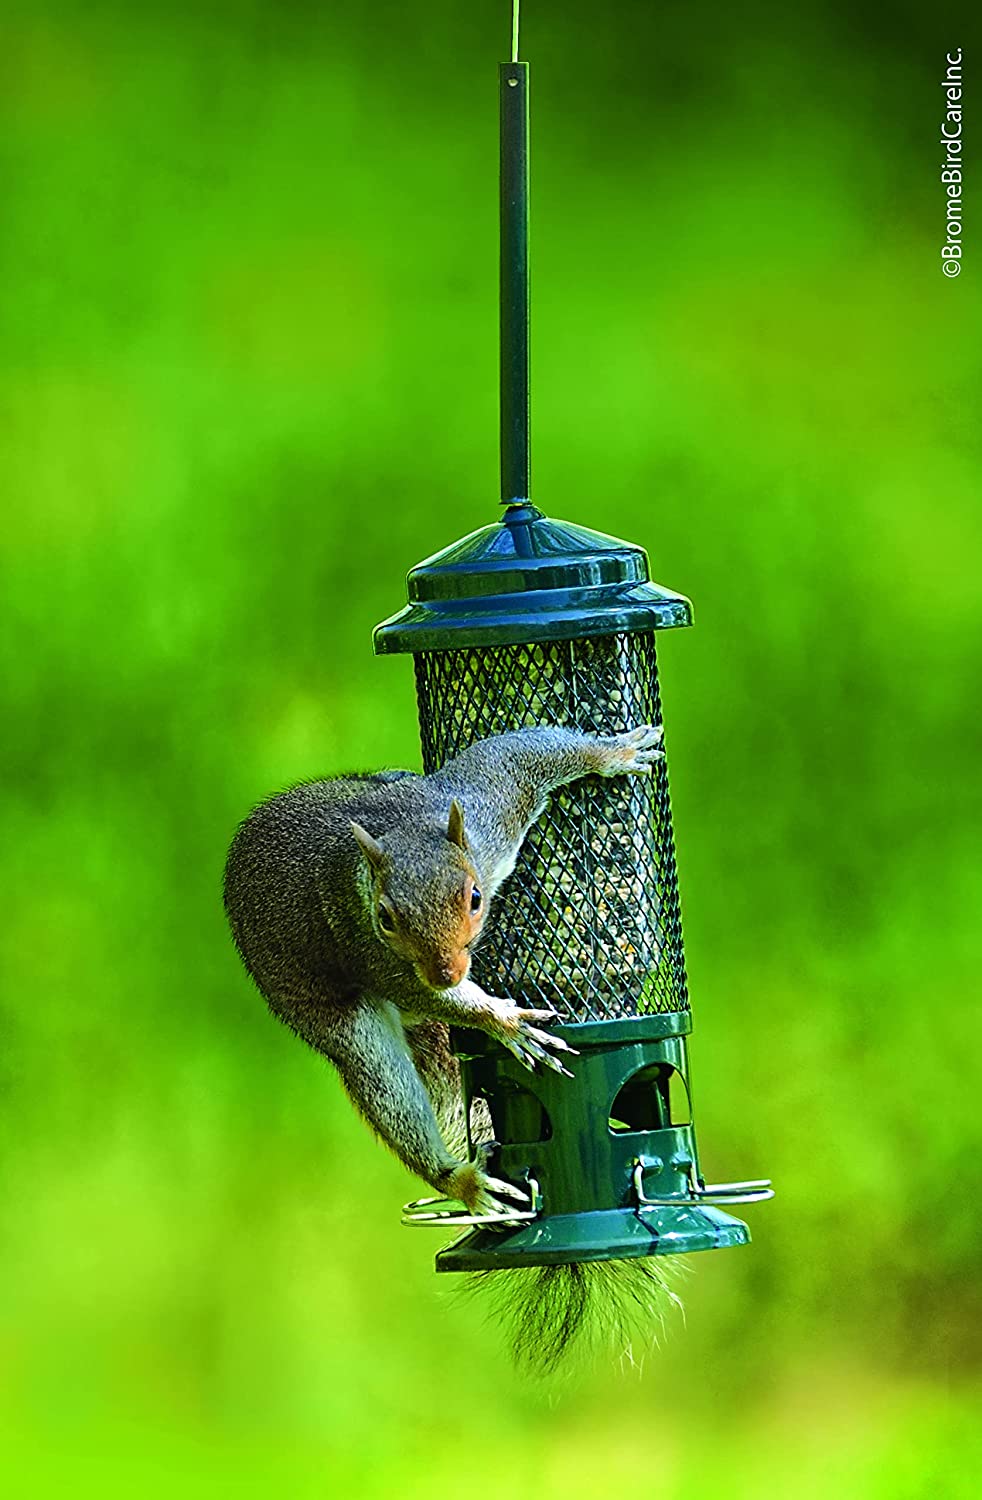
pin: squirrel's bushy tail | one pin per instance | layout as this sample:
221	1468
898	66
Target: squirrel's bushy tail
591	1309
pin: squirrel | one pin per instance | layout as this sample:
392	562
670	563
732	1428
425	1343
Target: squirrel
355	903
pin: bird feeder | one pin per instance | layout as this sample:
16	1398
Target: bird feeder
533	621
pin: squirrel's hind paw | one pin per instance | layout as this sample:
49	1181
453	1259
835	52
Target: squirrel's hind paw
481	1194
633	753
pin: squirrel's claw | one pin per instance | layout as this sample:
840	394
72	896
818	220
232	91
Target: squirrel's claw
502	1189
647	744
547	1039
524	1051
525	1055
635	752
645	737
530	1045
555	1065
537	1042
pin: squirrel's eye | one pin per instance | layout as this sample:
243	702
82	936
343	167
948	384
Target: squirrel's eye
386	920
475	899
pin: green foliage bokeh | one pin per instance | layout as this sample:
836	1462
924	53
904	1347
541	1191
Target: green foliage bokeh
247	377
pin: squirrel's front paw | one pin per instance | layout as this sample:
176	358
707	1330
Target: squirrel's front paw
481	1194
633	753
527	1042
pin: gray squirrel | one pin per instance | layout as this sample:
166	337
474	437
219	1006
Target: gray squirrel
355	903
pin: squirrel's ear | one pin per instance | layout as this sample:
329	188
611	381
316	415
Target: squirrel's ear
455	825
369	847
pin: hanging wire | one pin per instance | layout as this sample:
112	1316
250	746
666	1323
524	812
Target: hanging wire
514	30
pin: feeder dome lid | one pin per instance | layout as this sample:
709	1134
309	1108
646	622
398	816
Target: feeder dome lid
529	578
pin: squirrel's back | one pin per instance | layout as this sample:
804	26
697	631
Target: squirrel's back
284	854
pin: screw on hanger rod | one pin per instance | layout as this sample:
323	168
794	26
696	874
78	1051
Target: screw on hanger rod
513	99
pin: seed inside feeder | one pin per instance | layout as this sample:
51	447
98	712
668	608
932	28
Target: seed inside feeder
588	924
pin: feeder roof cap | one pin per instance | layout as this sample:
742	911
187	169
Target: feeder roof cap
529	578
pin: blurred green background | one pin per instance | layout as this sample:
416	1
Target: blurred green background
248	376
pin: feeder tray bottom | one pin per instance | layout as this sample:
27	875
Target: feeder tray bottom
612	1234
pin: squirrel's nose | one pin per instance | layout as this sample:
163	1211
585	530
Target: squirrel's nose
451	973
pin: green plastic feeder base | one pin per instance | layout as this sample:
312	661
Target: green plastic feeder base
614	1234
609	1155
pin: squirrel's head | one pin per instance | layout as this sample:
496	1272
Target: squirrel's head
427	903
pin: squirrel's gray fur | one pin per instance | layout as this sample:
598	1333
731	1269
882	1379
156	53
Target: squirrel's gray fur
313	874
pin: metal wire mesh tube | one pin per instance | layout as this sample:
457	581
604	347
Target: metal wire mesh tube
589	922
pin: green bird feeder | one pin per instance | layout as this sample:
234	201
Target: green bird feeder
536	621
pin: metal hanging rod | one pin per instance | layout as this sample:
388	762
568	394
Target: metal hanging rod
514	314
